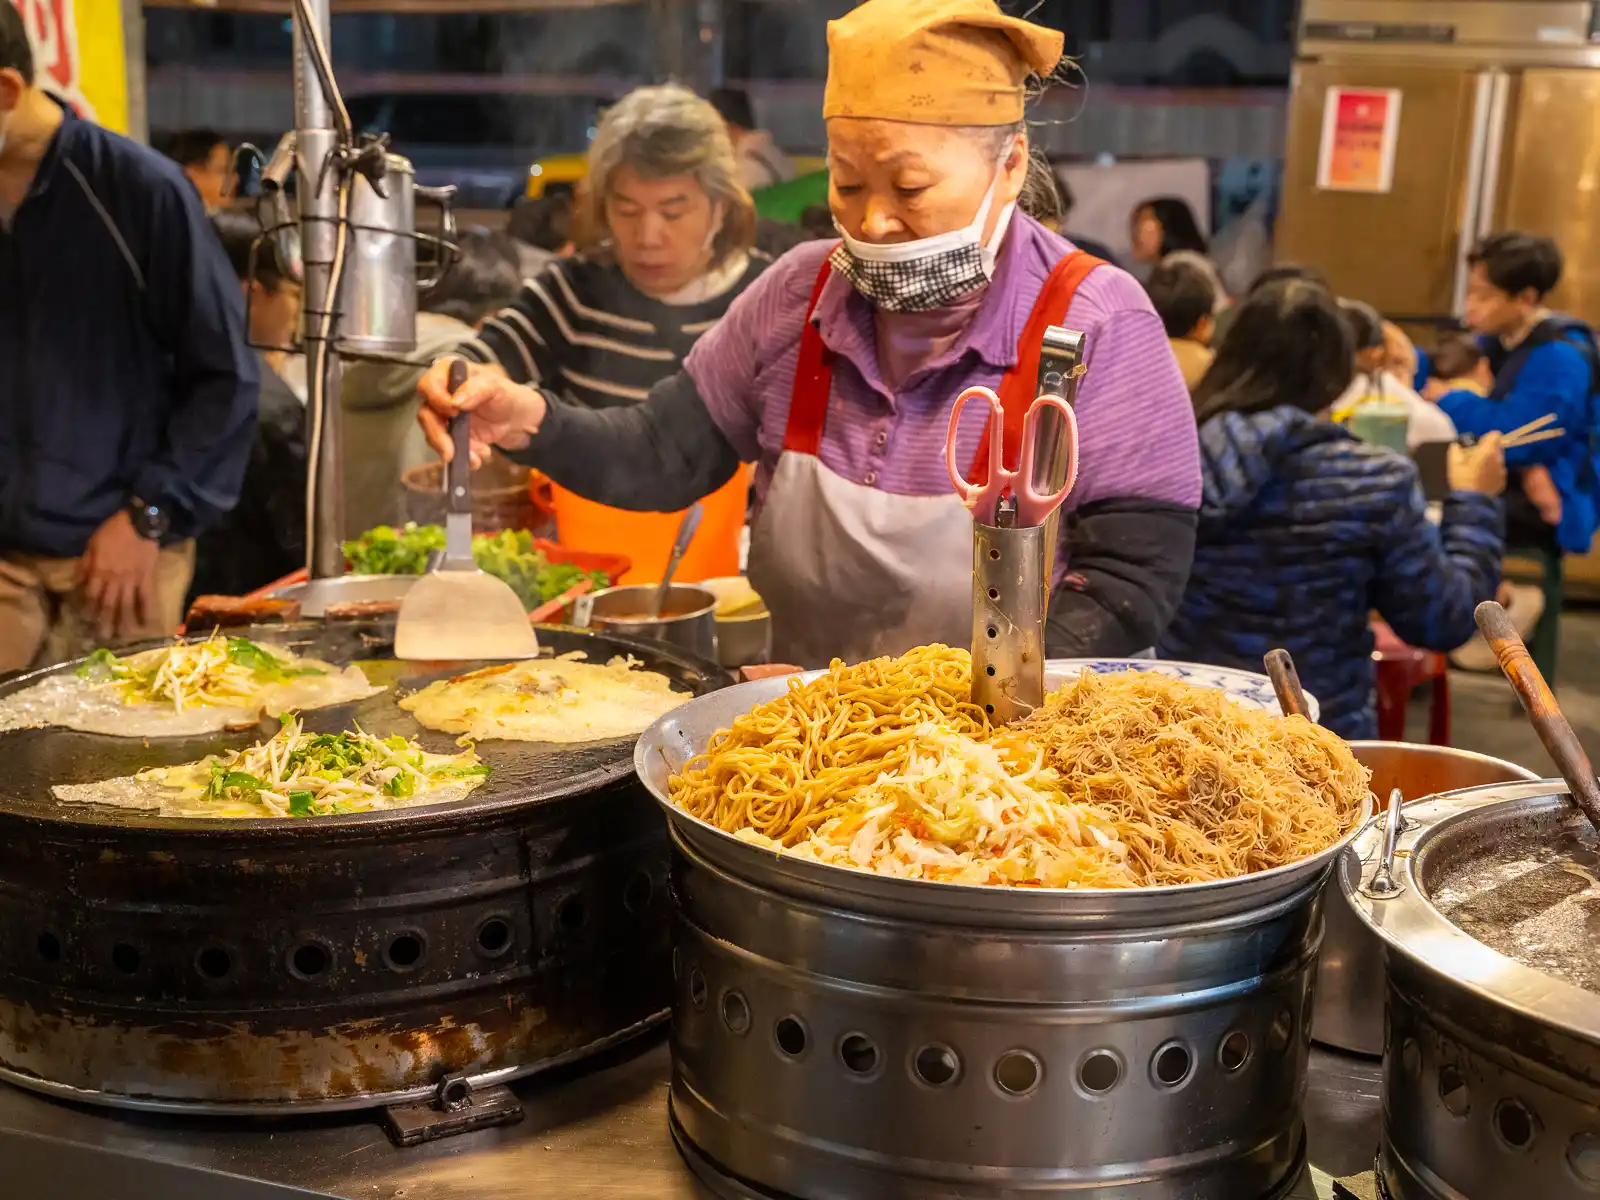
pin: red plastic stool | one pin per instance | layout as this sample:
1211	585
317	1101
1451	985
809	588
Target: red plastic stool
1401	669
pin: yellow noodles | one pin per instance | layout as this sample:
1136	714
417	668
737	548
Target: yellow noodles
787	764
1146	780
964	811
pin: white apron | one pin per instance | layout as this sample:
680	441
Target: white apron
851	572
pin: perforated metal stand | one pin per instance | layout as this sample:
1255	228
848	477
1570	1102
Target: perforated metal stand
1008	609
731	1187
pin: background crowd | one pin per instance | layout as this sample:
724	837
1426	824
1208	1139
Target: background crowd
1337	484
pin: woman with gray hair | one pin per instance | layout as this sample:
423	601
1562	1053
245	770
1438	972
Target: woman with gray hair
663	235
663	232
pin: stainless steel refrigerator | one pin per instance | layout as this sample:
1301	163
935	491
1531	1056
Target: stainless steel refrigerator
1480	115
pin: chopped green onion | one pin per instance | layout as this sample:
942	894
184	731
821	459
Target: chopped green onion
402	785
101	658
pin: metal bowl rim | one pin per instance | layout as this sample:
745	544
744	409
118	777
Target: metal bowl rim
957	895
651	622
1426	750
1412	925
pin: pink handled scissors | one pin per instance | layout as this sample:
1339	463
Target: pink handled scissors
1033	507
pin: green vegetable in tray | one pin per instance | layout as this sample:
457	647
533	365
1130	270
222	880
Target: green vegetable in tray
509	555
389	551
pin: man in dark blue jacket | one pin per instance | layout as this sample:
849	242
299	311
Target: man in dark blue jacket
127	390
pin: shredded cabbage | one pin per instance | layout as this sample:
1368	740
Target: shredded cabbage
299	774
963	811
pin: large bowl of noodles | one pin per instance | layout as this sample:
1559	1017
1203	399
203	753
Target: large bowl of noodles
915	955
1203	790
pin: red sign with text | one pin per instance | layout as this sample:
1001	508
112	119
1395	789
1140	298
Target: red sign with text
53	30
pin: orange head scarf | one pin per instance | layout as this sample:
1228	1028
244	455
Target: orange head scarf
935	62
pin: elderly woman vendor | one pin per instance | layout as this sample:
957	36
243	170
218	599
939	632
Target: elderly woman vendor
835	373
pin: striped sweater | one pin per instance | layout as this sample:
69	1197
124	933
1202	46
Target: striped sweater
580	330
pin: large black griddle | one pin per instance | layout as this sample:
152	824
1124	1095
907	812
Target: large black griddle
524	772
267	966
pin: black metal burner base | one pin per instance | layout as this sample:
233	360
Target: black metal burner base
730	1187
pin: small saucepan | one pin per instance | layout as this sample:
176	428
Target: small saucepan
1349	996
688	615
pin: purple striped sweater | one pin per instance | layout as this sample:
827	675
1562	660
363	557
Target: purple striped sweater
1136	425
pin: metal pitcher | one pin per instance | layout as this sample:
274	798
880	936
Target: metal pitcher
379	297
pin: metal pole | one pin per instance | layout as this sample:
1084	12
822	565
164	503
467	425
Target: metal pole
711	60
133	57
318	194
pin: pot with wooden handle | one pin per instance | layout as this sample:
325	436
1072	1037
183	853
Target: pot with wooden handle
1560	742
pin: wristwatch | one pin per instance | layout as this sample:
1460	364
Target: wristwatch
150	521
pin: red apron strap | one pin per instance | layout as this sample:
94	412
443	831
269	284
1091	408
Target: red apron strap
813	380
1019	386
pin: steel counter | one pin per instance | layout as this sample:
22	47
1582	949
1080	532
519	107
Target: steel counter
597	1132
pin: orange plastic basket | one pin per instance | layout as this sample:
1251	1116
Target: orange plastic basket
646	537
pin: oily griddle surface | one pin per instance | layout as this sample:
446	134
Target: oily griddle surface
34	760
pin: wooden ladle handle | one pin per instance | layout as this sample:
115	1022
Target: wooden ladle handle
1560	742
1286	683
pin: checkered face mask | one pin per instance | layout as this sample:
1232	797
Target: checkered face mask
927	273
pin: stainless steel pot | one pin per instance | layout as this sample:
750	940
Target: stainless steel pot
688	617
379	296
844	1035
1349	995
744	641
1492	1067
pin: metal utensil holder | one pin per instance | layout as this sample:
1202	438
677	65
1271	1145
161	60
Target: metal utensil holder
1008	607
1011	565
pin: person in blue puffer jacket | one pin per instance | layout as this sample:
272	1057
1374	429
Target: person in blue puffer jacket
1304	530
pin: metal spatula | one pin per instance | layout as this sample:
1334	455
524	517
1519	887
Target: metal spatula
458	613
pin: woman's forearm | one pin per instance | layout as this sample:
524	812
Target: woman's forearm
657	456
1128	562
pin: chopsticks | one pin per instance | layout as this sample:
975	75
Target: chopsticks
1525	435
1533	431
1529	427
1511	443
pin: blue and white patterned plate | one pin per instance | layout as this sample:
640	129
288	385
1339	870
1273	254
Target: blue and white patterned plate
1246	687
